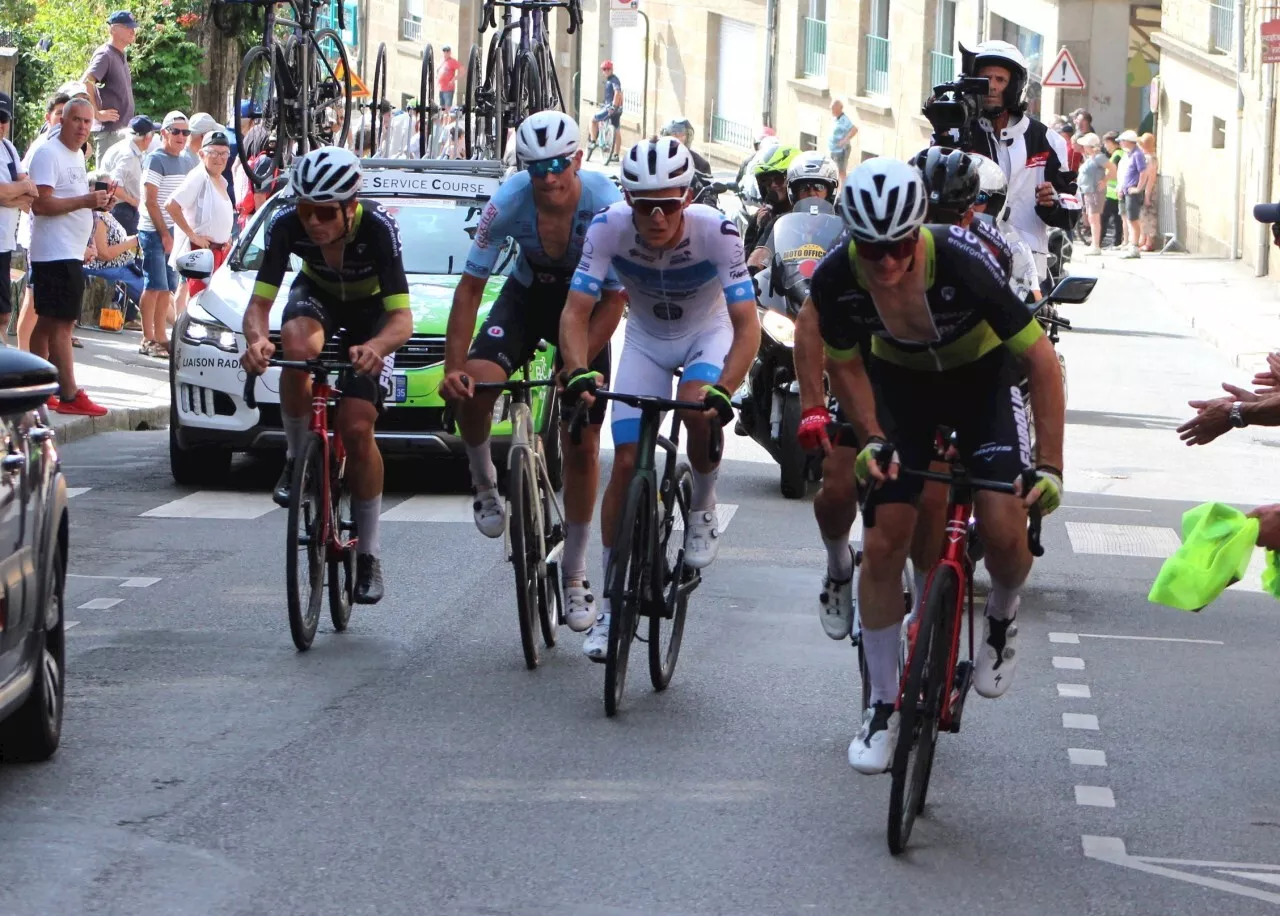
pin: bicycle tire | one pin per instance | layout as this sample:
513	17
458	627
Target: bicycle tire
378	95
492	121
342	570
550	606
527	87
920	707
625	586
268	103
308	518
675	506
607	132
427	104
521	492
552	94
343	85
469	96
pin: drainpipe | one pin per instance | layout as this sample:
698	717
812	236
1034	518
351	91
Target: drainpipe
770	56
1264	176
982	21
1238	170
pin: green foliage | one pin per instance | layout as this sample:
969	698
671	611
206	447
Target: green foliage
32	80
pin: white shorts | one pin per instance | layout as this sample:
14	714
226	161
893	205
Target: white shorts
648	364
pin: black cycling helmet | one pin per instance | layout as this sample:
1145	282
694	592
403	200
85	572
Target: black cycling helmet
951	178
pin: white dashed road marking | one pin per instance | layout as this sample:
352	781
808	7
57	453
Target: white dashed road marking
100	604
139	582
1070	639
1084	757
73	492
1200	642
1074	691
1095	796
1081	720
1068	663
227	505
1123	540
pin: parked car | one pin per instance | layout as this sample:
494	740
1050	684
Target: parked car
33	563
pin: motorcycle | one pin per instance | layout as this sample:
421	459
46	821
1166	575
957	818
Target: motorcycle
706	190
769	400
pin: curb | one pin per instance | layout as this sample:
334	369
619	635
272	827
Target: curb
128	418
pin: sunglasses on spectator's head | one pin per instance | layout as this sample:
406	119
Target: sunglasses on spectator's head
178	131
541	168
649	206
878	251
321	213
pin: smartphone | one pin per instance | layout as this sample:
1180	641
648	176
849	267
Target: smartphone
102	186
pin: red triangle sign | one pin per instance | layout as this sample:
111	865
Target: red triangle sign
1064	74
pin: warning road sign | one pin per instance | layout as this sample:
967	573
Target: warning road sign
1064	74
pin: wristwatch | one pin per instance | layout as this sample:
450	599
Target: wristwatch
1237	415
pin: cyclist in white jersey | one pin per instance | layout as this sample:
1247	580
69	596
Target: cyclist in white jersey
692	306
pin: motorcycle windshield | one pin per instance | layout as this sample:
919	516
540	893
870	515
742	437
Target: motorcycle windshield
800	240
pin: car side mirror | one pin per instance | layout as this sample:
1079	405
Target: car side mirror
196	265
1073	290
26	381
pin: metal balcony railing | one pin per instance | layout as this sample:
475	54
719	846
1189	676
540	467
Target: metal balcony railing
942	68
725	131
411	29
814	52
877	65
1222	26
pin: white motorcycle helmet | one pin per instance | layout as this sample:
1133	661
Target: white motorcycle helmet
812	168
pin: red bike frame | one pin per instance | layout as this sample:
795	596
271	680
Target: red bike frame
322	395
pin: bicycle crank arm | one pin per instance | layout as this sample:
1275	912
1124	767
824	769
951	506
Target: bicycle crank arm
959	692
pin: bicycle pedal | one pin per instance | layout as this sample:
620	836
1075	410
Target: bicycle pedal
960	691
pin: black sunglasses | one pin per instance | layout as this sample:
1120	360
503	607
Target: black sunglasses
178	132
878	251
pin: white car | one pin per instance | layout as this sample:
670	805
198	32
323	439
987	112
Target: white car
437	204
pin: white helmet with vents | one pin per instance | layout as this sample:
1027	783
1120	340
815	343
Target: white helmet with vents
546	135
883	200
327	175
657	165
812	167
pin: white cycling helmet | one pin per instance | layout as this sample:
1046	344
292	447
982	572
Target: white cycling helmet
812	167
327	175
993	186
656	165
546	135
883	200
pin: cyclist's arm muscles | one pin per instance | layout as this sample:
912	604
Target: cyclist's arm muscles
395	332
462	321
257	318
746	343
852	388
575	336
808	357
604	321
1048	401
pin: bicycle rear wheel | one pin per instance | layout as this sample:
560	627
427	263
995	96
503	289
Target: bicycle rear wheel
378	95
626	587
920	706
329	91
305	548
528	89
256	86
525	550
470	96
427	104
664	649
342	569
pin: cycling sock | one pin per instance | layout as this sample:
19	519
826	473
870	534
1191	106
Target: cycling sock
704	490
1002	603
574	565
365	512
839	558
882	650
295	432
920	578
484	476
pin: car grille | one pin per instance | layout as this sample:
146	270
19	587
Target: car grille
195	399
421	350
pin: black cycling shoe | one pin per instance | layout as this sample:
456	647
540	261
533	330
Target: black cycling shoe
280	495
368	579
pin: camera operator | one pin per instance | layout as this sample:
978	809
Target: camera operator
997	126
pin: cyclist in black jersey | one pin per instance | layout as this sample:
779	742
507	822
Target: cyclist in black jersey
920	329
352	280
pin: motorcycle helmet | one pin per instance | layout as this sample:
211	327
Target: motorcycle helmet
1001	54
951	178
812	168
776	163
993	186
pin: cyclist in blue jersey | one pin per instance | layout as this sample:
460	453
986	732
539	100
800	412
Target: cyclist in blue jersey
546	210
692	305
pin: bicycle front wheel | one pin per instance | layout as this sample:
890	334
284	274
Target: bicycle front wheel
626	587
328	100
427	104
257	89
666	629
305	548
920	706
522	490
342	551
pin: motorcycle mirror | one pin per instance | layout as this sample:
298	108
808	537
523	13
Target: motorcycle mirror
1073	290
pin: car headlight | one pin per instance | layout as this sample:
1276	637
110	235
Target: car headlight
778	326
203	328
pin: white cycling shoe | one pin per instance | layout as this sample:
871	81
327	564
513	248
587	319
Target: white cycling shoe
702	539
580	609
490	514
997	657
835	603
596	645
871	752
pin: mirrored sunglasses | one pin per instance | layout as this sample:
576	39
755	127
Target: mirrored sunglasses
878	251
541	168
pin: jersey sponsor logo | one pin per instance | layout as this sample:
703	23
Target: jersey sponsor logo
496	332
738	273
668	311
681	257
588	249
728	228
685	243
547	278
647	257
948	293
486	223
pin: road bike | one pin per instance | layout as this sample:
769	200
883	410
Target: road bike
604	142
518	78
321	531
535	523
935	680
647	575
427	112
298	83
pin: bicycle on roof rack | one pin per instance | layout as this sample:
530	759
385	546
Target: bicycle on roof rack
297	84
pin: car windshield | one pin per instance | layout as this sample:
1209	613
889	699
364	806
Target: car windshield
435	236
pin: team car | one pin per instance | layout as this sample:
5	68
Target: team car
437	204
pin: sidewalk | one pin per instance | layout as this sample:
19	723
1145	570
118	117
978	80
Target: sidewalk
1223	302
134	388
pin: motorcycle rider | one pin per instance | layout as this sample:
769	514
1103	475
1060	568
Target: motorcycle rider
766	142
990	207
682	130
810	174
771	179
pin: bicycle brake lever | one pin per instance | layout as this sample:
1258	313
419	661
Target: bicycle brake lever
1034	518
715	442
250	401
577	423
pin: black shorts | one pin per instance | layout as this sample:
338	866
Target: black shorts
6	284
354	321
1133	206
58	288
981	402
523	315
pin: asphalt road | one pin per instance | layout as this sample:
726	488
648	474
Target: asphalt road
412	765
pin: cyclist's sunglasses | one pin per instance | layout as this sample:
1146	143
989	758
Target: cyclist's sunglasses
321	213
878	251
541	168
649	206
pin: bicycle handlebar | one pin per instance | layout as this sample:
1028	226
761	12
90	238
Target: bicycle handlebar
647	403
489	21
306	365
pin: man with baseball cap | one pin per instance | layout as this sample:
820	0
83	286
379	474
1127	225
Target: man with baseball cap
124	163
109	83
448	81
162	172
1133	187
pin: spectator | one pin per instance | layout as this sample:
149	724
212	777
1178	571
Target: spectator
842	133
1074	156
123	162
682	130
254	136
201	123
1111	211
162	172
114	250
1082	120
17	193
60	245
52	121
610	109
201	207
110	84
1091	184
448	82
1150	218
1132	189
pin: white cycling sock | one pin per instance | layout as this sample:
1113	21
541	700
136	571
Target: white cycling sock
881	647
704	489
839	558
573	566
1002	603
365	513
484	476
295	433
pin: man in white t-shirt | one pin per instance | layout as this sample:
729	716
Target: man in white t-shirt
17	192
62	226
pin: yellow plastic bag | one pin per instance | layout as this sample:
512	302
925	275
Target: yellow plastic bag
1217	543
111	318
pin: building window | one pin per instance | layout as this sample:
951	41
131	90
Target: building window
878	49
1031	44
411	22
736	103
813	52
942	61
808	141
626	50
1222	26
1184	117
1219	140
